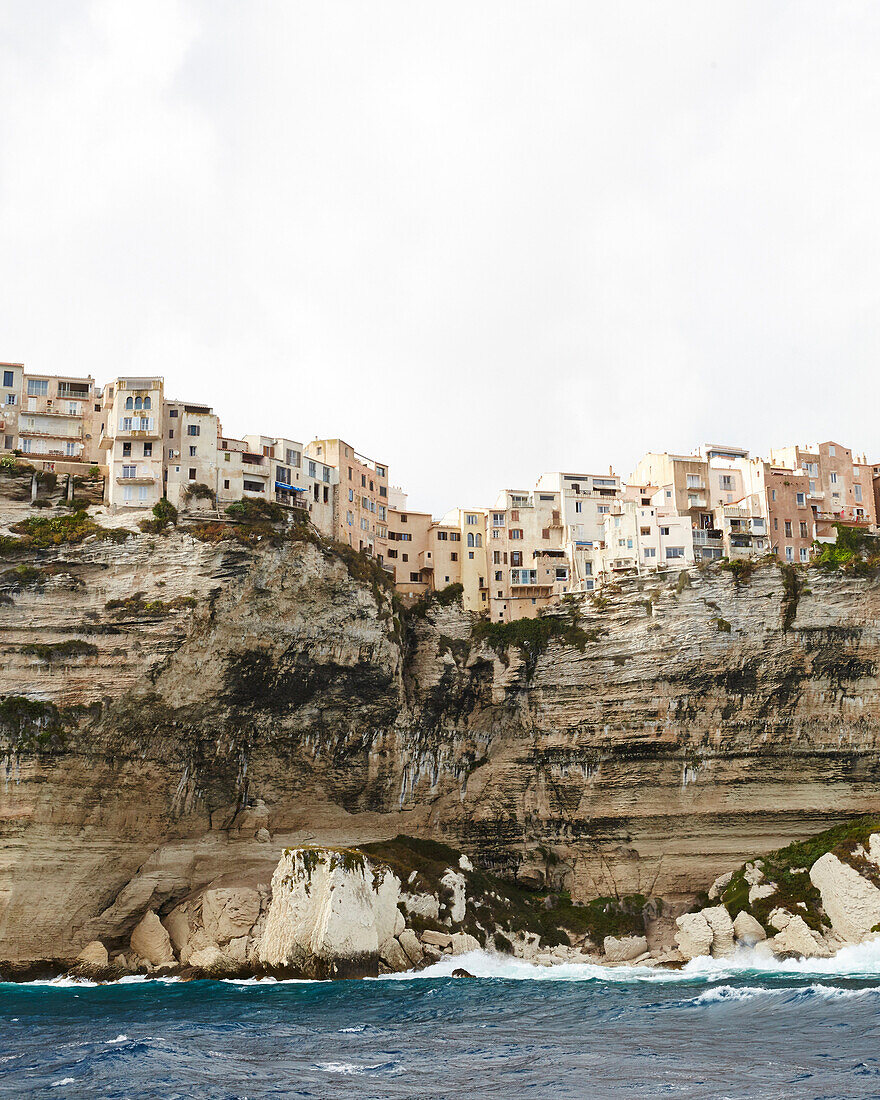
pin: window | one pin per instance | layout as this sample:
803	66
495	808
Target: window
10	399
170	433
392	553
415	576
8	378
403	519
70	448
294	458
650	552
126	450
442	536
788	528
674	551
589	585
148	450
579	506
225	483
603	509
282	474
832	451
192	452
833	478
129	403
127	493
694	481
470	520
773	494
148	404
545	532
193	429
644	530
516	557
857	489
498	575
37	387
363	481
381	471
172	412
349	519
129	471
805	554
621	542
789	553
252	486
803	530
453	556
516	533
497	519
775	523
562	574
138	403
311	468
664	531
454	536
192	473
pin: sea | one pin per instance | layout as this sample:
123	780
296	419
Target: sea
746	1027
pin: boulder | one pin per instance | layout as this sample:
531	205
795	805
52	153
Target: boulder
761	890
851	902
393	955
177	925
151	942
436	939
409	941
462	942
432	953
797	940
94	954
455	881
229	912
330	912
753	873
207	958
720	885
719	921
425	906
694	936
747	930
624	948
399	923
464	863
779	919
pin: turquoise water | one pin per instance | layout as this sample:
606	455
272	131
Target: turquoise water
742	1030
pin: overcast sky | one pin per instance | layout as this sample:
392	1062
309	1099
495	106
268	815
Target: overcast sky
478	240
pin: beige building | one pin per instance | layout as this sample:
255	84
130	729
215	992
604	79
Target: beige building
297	480
641	535
463	547
56	417
131	441
361	507
190	443
584	502
409	550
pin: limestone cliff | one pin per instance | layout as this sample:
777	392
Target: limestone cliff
175	712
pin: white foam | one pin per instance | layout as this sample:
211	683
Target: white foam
118	1039
734	993
63	1081
856	961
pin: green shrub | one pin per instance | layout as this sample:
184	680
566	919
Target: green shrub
532	636
138	604
164	511
61	650
200	491
23	576
443	597
254	511
741	568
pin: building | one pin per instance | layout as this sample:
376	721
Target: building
10	404
410	553
642	535
584	502
190	447
56	416
361	509
840	485
464	548
131	439
292	479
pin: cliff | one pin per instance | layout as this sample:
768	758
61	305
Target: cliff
176	710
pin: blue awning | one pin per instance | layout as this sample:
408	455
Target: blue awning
289	488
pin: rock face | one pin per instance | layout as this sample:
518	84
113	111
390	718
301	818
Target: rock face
224	700
150	941
747	930
331	913
851	901
719	921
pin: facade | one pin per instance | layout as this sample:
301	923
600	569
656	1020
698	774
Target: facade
840	485
640	535
409	551
56	417
190	447
10	403
466	542
361	510
131	439
584	502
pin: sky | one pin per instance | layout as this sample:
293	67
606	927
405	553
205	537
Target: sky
479	241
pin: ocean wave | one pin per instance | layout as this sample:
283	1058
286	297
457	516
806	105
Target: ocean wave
857	961
352	1069
63	1081
726	993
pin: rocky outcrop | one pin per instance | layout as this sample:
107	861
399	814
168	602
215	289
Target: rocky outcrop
174	712
851	901
694	936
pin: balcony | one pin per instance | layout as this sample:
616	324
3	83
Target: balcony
818	495
707	536
75	391
50	435
697	487
139	479
695	501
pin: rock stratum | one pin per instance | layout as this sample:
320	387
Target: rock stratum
178	709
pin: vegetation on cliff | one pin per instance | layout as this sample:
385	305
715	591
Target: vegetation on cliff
854	551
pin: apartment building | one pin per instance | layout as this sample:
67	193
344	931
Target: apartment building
56	417
361	508
131	438
641	535
10	404
584	502
230	469
458	541
840	484
190	446
410	552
